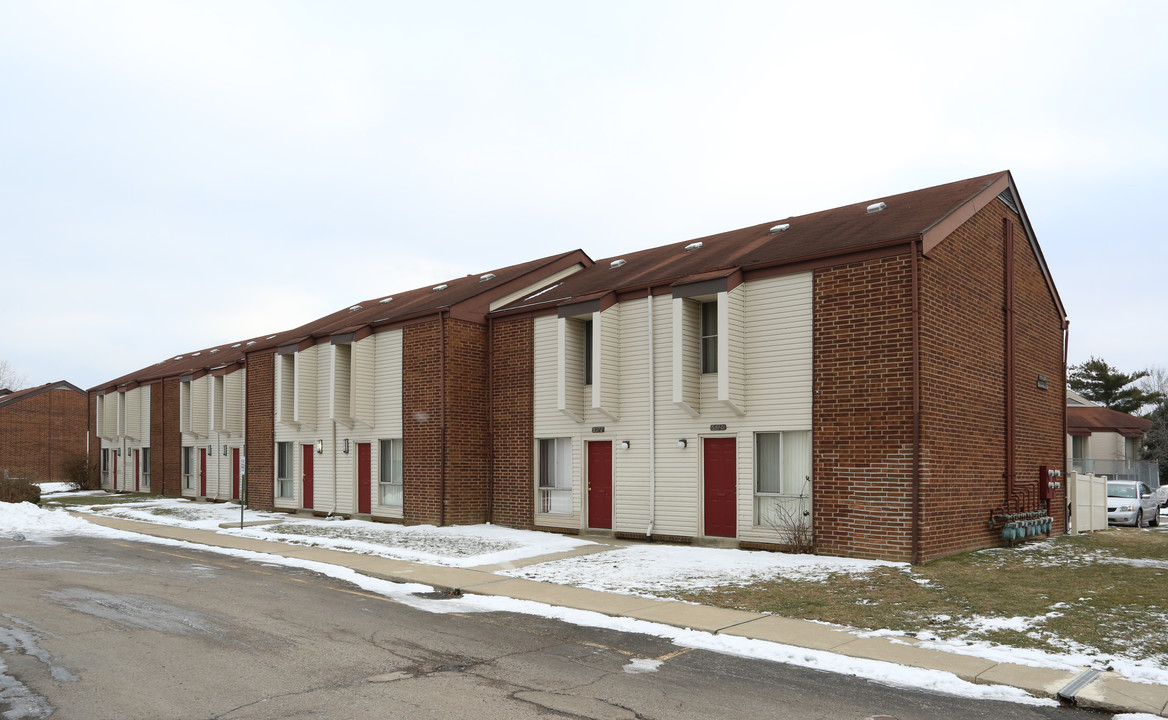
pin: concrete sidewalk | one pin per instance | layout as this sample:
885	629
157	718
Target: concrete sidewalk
1086	688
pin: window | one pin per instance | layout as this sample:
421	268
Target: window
145	468
587	352
1078	447
782	477
389	473
284	480
188	468
105	466
1131	448
555	476
710	337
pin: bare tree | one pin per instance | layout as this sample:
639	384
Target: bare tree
8	377
1156	381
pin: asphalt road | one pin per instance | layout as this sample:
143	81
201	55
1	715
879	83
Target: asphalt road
107	629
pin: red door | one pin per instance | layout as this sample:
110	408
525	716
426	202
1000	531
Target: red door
234	473
719	478
364	477
137	468
600	484
203	472
306	478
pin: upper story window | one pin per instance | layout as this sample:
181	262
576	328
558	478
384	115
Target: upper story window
710	336
587	352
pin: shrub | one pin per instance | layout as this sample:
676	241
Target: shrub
80	473
15	490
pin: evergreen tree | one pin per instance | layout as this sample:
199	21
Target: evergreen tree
1106	385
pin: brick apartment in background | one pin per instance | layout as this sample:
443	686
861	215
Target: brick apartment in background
886	376
39	428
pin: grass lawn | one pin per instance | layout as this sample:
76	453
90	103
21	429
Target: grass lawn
1107	591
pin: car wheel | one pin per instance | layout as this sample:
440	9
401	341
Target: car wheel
1155	521
1140	518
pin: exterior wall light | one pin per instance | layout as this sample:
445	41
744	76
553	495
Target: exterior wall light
625	444
345	446
224	450
681	444
320	447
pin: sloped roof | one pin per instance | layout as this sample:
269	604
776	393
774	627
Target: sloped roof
14	397
929	214
1085	420
471	295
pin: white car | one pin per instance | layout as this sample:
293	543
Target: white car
1130	502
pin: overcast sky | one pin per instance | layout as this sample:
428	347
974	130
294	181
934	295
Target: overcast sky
179	175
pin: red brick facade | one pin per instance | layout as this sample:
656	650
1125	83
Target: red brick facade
444	422
260	433
863	405
165	439
40	429
512	427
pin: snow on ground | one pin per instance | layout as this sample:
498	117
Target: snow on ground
654	570
30	523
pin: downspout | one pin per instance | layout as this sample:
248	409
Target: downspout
334	453
490	420
442	415
1011	469
916	406
652	425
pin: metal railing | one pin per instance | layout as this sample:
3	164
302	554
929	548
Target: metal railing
1145	471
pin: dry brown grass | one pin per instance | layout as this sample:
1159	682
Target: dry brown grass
1107	591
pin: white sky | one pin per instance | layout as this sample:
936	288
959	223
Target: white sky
179	175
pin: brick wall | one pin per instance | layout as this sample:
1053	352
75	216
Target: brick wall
512	413
260	432
421	424
40	430
963	370
862	409
165	439
467	449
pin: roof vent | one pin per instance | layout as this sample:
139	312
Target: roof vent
383	301
236	345
488	276
876	207
253	342
440	288
617	263
180	357
215	350
694	246
780	228
269	337
355	308
196	354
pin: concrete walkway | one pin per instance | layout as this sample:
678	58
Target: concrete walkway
1086	688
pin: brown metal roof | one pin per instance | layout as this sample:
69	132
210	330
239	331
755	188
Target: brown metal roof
1083	420
14	397
851	228
468	297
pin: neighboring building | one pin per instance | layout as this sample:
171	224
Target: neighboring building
852	371
39	428
1107	442
328	417
887	376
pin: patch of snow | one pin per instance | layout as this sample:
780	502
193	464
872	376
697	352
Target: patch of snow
642	665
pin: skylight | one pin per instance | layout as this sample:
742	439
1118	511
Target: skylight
488	276
694	246
784	227
617	263
440	288
355	308
876	207
383	301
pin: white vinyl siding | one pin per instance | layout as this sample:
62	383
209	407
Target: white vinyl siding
571	347
340	385
233	403
607	335
305	385
286	389
363	399
769	366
